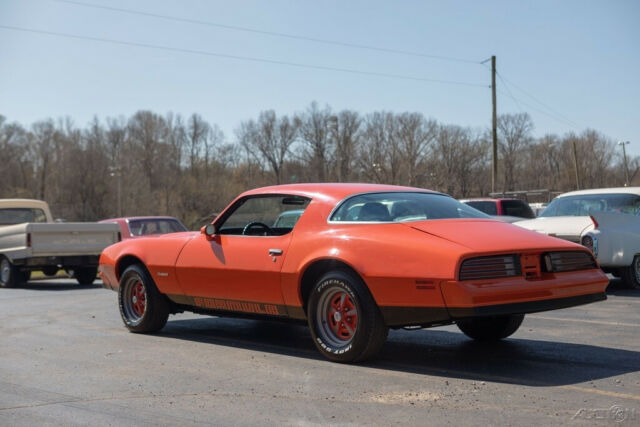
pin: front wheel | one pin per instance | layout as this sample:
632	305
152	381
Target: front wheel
490	328
345	322
10	275
631	275
142	307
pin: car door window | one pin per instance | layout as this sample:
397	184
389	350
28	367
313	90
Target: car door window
264	215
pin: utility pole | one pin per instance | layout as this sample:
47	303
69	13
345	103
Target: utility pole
494	126
575	164
626	168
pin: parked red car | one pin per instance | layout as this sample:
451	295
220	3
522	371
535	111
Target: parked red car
352	260
502	207
137	226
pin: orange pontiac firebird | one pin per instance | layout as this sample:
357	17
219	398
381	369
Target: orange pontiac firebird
353	260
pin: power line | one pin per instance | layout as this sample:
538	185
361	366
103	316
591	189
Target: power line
241	58
554	117
505	80
268	33
509	90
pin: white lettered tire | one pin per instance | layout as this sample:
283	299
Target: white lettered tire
345	322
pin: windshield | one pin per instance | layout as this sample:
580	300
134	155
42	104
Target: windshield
589	203
9	216
402	207
141	227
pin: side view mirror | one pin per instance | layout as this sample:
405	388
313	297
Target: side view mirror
209	230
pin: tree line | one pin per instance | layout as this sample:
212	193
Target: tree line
150	164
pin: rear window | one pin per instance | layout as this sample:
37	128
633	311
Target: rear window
9	216
517	208
485	206
402	207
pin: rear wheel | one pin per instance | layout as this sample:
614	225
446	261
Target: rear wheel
142	307
490	328
10	275
345	322
85	275
631	275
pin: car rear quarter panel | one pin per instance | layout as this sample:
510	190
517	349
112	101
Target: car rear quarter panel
401	267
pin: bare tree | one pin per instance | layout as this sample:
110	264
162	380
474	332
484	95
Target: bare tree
315	125
514	135
270	139
346	136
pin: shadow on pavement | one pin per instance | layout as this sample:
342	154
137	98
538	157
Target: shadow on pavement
429	352
56	285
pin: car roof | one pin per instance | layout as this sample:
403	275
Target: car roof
614	190
331	191
487	199
135	218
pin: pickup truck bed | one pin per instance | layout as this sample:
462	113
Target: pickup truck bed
50	246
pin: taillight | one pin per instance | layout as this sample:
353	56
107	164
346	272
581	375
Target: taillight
490	267
595	223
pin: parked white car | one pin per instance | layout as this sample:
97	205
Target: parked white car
606	220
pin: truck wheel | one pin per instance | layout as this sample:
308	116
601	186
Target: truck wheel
50	270
631	275
85	275
490	328
345	322
10	276
142	307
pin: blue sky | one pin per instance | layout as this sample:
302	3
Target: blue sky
581	59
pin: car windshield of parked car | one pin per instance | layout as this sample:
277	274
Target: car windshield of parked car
402	207
584	205
273	215
142	227
485	206
9	216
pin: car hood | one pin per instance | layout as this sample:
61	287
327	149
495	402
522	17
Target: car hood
486	235
564	227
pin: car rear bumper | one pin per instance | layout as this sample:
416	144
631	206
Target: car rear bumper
525	307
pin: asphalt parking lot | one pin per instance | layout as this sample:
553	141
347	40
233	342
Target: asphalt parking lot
66	359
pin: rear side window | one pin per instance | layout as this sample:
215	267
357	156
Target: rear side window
485	206
517	208
402	207
9	216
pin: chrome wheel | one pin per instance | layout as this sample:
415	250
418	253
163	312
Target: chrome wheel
134	303
338	317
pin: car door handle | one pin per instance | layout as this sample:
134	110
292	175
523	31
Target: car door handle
275	252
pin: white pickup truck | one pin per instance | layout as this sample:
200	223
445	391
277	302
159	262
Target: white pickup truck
30	240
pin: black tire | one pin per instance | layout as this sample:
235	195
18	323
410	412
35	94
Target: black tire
26	276
85	275
149	316
360	334
631	275
492	328
50	270
10	275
